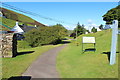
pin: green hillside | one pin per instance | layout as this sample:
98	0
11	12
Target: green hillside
16	16
73	63
10	23
12	17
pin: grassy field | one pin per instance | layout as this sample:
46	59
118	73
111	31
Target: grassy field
16	66
17	16
12	17
10	23
72	63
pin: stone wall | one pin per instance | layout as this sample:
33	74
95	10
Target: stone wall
8	45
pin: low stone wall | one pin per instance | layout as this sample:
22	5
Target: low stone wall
8	45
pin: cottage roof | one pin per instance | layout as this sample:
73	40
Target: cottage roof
27	28
17	29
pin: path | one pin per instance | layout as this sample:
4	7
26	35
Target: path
45	65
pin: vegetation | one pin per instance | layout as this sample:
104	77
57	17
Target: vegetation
113	14
10	23
26	55
70	32
46	35
101	27
14	16
79	30
22	44
94	30
73	63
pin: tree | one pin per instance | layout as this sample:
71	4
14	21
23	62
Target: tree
112	14
101	27
79	29
94	30
61	30
88	31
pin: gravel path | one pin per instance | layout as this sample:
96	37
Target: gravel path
45	65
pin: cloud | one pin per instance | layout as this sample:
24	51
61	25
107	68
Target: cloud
90	21
94	25
91	24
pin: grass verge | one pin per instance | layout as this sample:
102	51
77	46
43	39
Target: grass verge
72	63
26	55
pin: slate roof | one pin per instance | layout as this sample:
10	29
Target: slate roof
27	28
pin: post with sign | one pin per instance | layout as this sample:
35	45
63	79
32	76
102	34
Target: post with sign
88	40
114	42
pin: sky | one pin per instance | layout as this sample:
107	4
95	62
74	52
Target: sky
59	0
87	13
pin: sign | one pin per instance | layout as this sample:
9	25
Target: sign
114	42
88	39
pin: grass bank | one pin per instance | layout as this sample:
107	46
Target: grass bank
26	55
72	63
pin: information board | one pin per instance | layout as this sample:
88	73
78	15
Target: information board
88	40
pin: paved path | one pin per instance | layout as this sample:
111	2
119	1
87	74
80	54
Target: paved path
45	65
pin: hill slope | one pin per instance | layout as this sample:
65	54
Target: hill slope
11	16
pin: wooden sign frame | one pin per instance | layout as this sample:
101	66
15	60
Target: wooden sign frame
88	40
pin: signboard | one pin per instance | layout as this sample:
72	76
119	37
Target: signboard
88	39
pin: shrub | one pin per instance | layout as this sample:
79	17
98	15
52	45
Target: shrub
94	30
44	35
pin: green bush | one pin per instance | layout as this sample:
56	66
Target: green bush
94	30
45	35
22	45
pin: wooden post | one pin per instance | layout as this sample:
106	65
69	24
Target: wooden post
114	42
